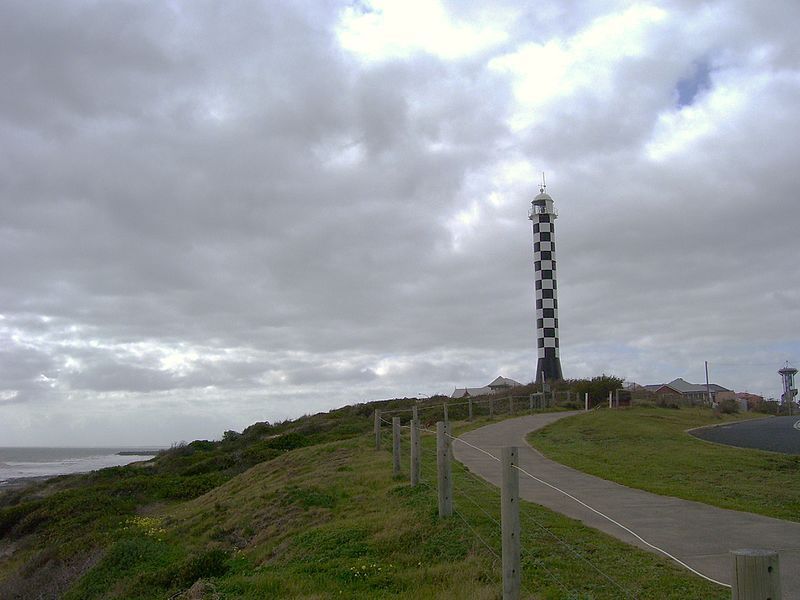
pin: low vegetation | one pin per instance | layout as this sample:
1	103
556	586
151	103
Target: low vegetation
302	509
648	448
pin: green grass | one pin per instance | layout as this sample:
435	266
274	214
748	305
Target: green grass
649	449
322	518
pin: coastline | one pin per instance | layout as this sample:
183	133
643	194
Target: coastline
12	482
19	483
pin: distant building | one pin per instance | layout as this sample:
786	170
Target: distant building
632	386
787	374
694	392
500	384
467	392
750	401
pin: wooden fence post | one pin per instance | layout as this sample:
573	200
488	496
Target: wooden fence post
443	459
415	414
444	412
416	464
609	399
756	575
395	446
509	517
469	400
586	401
377	429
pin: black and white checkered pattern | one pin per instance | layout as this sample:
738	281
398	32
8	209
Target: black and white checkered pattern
544	256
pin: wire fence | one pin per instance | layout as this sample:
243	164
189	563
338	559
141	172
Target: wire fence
565	569
551	561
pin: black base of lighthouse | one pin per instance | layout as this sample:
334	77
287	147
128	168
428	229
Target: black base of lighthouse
548	369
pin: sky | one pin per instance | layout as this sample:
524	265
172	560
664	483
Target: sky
213	214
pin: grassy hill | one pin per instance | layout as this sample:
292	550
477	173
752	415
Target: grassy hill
649	448
301	509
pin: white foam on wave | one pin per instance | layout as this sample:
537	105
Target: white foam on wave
11	470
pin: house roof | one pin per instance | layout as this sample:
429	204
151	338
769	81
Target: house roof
504	381
684	387
464	392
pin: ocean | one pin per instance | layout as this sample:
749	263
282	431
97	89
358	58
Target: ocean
19	463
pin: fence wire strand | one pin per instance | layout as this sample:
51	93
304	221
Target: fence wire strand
530	519
429	471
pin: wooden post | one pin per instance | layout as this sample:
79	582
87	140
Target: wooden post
511	405
415	414
416	449
444	412
443	459
509	517
756	575
377	429
491	408
609	399
469	401
586	401
395	446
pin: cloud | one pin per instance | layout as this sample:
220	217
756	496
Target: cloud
380	29
215	215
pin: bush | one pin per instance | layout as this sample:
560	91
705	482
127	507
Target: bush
211	563
10	517
203	445
288	441
597	387
729	406
668	402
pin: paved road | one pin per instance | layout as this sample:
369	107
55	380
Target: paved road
698	534
778	434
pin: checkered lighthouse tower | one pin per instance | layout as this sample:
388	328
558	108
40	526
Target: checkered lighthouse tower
543	216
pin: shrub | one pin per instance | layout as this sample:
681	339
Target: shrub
230	435
203	445
728	406
597	387
10	517
668	402
211	563
288	441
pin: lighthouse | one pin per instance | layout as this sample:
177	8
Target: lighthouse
543	216
787	374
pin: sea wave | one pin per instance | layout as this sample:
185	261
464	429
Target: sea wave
16	469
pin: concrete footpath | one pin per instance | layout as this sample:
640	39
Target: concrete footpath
698	534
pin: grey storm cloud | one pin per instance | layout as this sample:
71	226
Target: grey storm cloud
215	214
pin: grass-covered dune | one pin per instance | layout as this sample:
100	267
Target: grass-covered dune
650	449
302	509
